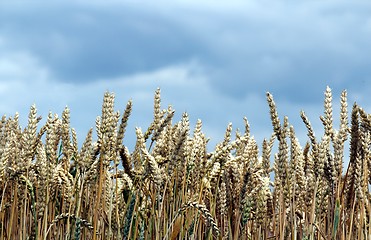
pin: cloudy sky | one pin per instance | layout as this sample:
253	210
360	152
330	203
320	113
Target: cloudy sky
212	59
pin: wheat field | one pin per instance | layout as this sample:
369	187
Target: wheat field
171	187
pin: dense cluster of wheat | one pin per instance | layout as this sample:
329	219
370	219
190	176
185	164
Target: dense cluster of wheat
171	187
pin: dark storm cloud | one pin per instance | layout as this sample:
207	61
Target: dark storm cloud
84	43
289	47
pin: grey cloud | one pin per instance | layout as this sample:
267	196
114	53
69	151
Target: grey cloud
82	43
293	48
296	51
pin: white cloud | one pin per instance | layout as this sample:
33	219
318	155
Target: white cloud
20	65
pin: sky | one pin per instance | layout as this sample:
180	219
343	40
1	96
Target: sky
214	60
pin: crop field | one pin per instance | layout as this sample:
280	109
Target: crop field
171	187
